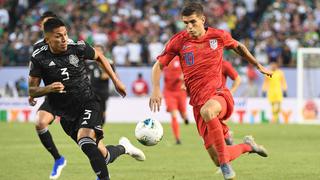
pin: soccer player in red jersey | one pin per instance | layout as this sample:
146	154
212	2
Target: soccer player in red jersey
175	96
229	71
200	50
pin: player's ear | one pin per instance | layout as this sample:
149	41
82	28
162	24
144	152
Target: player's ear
47	37
203	18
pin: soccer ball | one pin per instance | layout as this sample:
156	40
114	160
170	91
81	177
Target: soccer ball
149	132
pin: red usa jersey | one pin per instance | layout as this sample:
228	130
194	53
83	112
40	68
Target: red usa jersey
228	71
172	76
201	61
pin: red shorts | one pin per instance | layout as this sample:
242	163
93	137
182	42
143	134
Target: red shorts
225	99
176	101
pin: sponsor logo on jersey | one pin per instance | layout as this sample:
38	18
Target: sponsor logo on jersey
213	43
74	60
84	123
52	63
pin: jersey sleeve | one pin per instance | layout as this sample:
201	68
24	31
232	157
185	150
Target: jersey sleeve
83	49
230	71
35	68
228	41
170	51
88	51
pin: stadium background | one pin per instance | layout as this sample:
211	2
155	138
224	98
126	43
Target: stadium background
134	33
138	29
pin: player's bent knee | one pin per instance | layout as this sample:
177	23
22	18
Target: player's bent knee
86	132
43	119
208	113
42	123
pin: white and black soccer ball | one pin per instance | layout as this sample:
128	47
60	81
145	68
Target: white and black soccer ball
149	132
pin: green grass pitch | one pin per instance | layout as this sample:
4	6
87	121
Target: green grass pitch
293	155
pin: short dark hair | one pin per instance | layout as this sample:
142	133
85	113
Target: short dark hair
51	24
192	8
48	14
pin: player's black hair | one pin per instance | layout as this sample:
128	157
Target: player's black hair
51	24
48	14
192	8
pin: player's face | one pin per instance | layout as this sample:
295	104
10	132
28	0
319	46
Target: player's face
194	25
273	66
57	39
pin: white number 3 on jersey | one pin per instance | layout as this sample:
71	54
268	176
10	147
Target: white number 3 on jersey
65	73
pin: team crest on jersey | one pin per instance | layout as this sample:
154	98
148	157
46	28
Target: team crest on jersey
188	58
74	60
213	43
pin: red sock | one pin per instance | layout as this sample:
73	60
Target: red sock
215	132
236	150
175	128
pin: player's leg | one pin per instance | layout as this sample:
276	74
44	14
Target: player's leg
87	141
275	106
112	152
175	125
43	118
172	107
182	106
208	139
227	133
209	113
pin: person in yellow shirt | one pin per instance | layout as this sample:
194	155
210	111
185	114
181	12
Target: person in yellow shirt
275	88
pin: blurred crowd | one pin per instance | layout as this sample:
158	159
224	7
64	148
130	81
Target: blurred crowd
134	31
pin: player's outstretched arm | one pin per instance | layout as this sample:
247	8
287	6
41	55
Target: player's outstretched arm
155	99
36	91
108	69
245	53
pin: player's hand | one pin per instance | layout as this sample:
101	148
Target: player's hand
57	87
265	71
285	94
121	89
155	100
264	94
32	101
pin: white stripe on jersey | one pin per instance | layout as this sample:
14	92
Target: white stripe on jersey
37	51
39	41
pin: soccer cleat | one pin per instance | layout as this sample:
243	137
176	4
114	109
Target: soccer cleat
132	150
99	178
229	141
59	164
186	121
178	142
260	150
227	171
